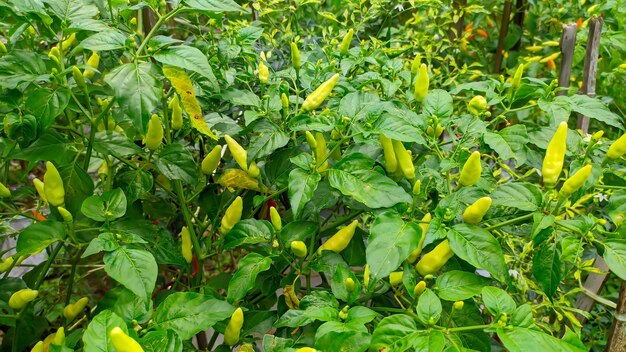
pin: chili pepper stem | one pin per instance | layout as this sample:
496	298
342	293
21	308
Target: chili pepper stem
190	226
509	222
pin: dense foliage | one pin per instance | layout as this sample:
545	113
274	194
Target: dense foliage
306	175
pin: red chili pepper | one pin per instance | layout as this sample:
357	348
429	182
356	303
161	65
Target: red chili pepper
37	215
270	203
194	266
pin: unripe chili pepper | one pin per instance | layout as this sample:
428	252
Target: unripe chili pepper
39	187
395	278
415	65
474	213
417	187
345	42
233	329
264	73
366	275
55	55
555	156
310	139
458	305
53	186
284	100
298	248
317	97
65	214
306	349
477	105
212	160
470	174
432	261
295	56
291	300
321	152
517	79
350	284
66	44
419	288
424	227
246	348
4	191
596	136
275	218
6	264
236	150
391	163
232	215
93	61
59	337
434	132
254	170
618	148
340	240
577	180
177	112
186	244
3	48
72	310
550	57
421	84
38	347
154	136
404	159
79	78
123	342
22	297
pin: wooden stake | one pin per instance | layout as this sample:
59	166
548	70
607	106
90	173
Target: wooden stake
594	283
504	29
591	66
456	31
518	19
568	41
617	336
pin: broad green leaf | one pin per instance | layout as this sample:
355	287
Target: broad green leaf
248	231
96	336
523	340
126	305
508	141
162	341
338	284
368	187
47	104
20	68
51	146
338	336
520	195
114	143
390	242
36	237
214	5
136	269
245	277
429	307
296	231
558	110
478	247
137	90
497	301
21	128
266	139
458	285
547	267
399	128
434	341
176	163
523	316
105	242
111	39
188	313
438	102
109	206
595	109
78	186
617	206
302	185
71	10
396	333
134	182
188	58
615	256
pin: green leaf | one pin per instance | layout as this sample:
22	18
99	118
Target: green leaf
214	5
188	313
368	187
438	102
111	39
36	237
248	231
176	163
302	185
617	206
508	141
239	97
390	242
336	336
434	341
497	301
137	90
478	247
136	269
134	182
395	333
188	58
615	256
162	341
520	195
127	305
244	278
268	137
105	242
399	128
595	109
522	340
71	10
47	104
96	336
296	231
558	110
114	143
338	284
428	308
523	316
20	68
458	285
50	146
109	206
547	267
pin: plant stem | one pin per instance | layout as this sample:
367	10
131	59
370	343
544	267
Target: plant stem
190	226
509	222
156	27
46	267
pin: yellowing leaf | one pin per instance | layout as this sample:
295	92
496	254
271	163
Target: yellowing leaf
236	178
182	84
